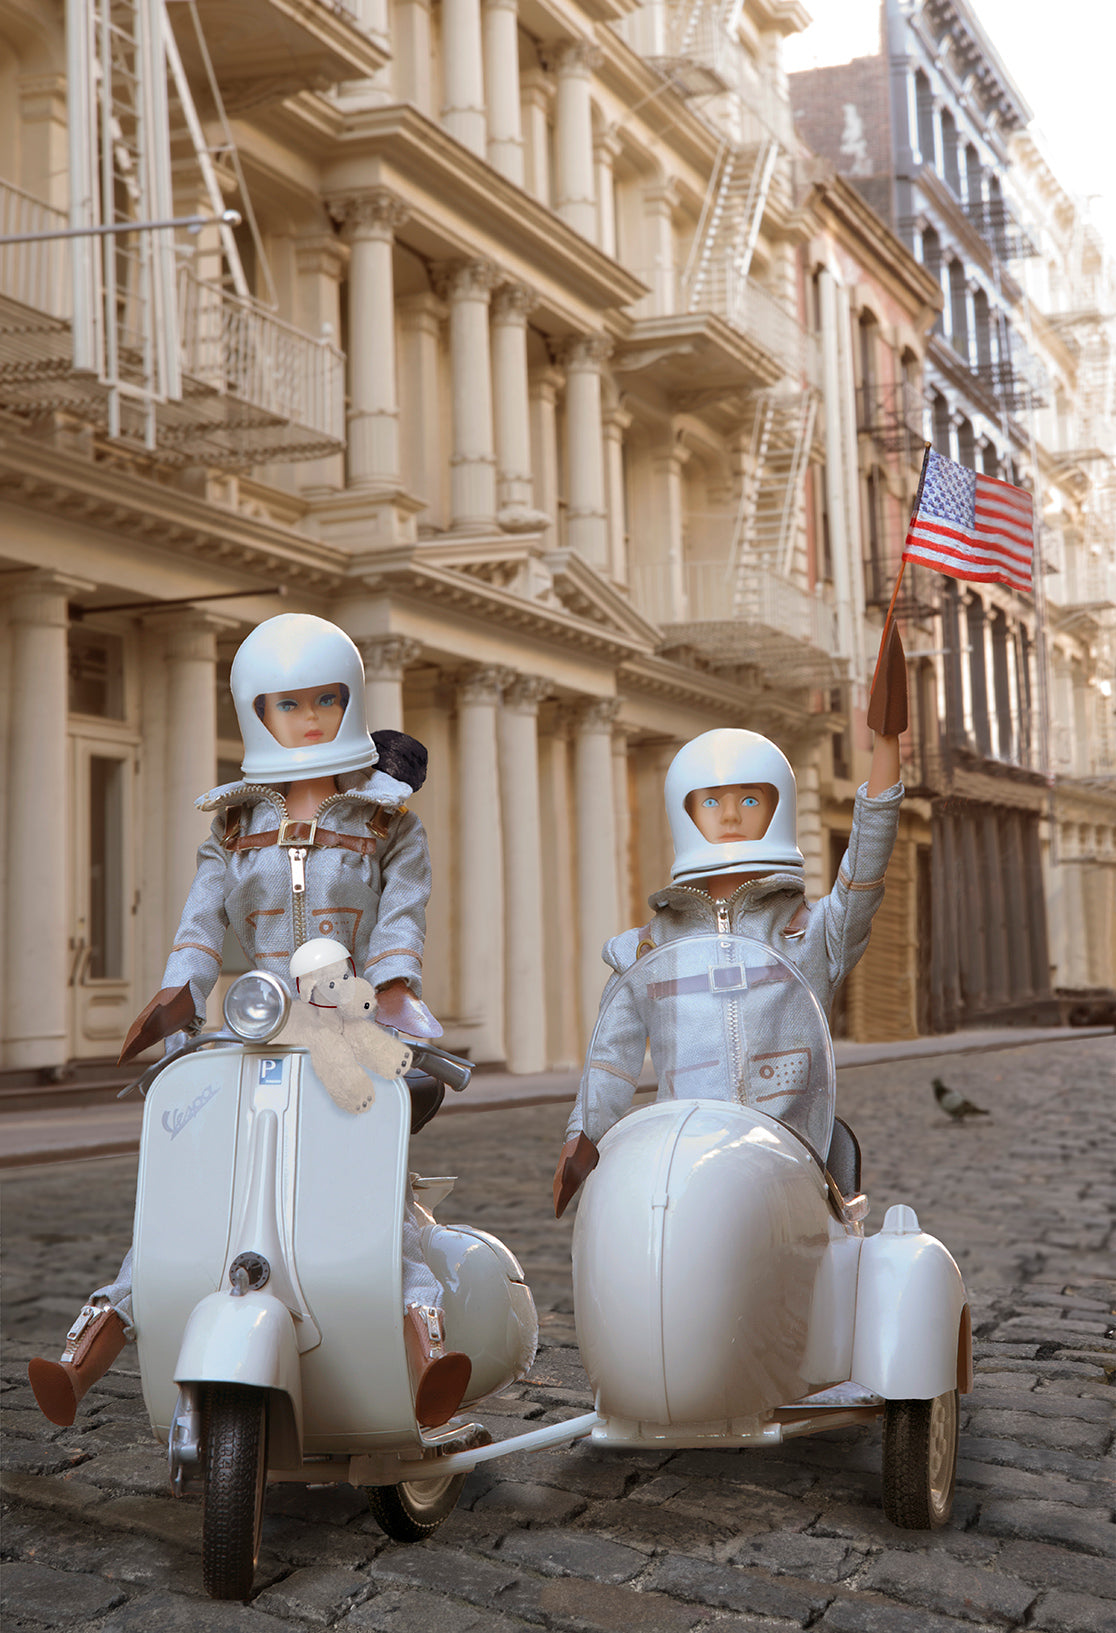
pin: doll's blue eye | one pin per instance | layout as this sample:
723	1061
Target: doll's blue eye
286	704
328	700
750	799
710	804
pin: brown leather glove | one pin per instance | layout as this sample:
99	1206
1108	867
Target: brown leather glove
171	1010
578	1160
887	701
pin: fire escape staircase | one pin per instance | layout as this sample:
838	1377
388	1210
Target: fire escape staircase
159	341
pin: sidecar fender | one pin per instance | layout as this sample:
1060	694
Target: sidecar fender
911	1313
249	1340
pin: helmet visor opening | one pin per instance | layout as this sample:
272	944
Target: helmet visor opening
303	716
732	812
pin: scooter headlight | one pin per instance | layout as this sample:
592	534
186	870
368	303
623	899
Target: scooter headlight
256	1006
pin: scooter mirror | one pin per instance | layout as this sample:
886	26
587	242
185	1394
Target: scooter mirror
256	1006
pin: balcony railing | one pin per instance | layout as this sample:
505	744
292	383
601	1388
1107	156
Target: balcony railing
35	275
254	388
750	615
288	387
760	315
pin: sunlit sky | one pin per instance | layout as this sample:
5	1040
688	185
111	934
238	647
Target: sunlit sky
1061	58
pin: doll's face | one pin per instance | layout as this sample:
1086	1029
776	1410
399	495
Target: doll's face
734	811
301	718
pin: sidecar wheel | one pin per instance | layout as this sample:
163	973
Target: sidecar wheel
414	1509
920	1461
234	1449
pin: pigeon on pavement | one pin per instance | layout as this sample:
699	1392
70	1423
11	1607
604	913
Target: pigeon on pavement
954	1104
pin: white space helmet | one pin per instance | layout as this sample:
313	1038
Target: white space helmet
730	755
288	653
316	955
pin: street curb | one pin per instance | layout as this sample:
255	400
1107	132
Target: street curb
520	1093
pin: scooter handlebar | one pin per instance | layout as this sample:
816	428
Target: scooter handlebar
449	1069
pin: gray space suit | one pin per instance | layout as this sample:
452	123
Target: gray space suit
824	943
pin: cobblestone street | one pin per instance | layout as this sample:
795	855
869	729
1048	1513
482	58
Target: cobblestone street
584	1539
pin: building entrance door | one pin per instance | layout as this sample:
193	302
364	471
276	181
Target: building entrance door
103	895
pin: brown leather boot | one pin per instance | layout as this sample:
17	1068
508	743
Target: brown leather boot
440	1378
92	1345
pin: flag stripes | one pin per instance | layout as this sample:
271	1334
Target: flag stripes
972	526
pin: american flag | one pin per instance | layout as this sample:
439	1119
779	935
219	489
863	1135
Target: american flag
972	526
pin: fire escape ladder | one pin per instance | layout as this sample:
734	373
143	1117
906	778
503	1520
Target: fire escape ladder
731	215
799	458
125	84
708	231
743	551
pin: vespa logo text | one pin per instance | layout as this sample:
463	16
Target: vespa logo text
175	1121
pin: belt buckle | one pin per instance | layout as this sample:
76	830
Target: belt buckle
728	978
288	841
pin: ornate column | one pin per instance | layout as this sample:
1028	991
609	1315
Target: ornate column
525	997
616	422
463	110
621	804
658	205
542	390
37	911
420	322
573	64
480	866
597	893
413	53
605	151
536	92
514	489
319	265
586	517
501	73
385	658
190	766
670	587
467	285
370	221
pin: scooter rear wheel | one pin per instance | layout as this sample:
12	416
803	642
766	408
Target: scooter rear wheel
414	1509
234	1430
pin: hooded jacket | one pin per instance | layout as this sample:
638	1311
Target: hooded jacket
824	941
375	902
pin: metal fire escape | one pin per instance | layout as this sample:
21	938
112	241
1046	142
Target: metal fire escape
762	582
154	337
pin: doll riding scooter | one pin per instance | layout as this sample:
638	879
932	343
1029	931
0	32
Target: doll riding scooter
316	839
273	1280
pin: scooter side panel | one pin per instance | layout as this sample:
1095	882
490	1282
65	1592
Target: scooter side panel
348	1221
697	1245
192	1126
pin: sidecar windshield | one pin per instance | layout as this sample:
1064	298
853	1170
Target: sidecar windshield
728	1018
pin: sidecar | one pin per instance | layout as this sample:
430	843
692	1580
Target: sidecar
725	1293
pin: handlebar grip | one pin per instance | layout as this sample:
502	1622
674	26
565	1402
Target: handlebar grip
449	1069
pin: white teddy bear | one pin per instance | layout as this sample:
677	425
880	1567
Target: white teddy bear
333	1019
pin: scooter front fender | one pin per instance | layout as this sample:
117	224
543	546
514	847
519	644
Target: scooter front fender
247	1339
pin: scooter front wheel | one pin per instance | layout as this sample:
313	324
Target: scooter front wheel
414	1509
234	1452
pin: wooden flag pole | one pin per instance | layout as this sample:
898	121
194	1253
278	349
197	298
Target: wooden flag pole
902	569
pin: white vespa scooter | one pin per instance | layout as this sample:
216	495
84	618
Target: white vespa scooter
267	1285
725	1294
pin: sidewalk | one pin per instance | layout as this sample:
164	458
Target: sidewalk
63	1135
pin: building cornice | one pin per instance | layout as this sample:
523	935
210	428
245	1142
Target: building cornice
891	261
120	500
458	205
